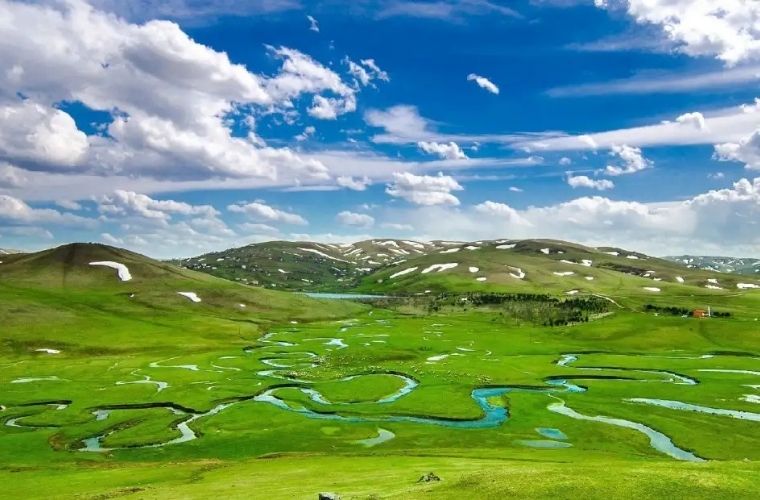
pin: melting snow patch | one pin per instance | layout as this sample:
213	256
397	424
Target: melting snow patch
565	273
713	287
589	278
474	269
471	247
401	273
651	289
482	278
712	281
745	286
545	251
190	295
282	271
450	250
632	257
586	262
439	267
519	274
571	292
505	247
321	254
614	254
679	279
121	269
48	351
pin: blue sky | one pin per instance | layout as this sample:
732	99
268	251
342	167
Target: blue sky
179	127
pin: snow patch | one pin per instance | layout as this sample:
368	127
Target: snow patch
190	295
474	269
401	273
506	247
121	269
746	286
48	351
439	267
651	289
565	273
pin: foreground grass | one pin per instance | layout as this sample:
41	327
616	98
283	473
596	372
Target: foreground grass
391	476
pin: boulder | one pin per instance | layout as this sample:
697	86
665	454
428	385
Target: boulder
429	477
328	496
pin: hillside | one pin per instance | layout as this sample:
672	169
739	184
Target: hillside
306	266
746	266
136	297
409	267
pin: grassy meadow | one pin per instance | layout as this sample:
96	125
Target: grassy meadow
114	389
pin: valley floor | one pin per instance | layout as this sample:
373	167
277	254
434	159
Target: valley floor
628	405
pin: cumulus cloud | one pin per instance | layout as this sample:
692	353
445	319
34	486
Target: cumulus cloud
632	161
307	132
128	203
728	30
172	100
348	218
692	119
263	212
353	184
724	220
483	83
746	151
576	181
450	151
424	189
32	134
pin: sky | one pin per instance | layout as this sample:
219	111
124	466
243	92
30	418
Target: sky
178	127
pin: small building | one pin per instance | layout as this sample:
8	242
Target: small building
700	313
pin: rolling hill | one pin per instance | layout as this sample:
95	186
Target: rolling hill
409	267
75	292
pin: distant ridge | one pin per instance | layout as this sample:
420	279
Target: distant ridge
505	265
747	266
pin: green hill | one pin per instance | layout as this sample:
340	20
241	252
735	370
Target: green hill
57	296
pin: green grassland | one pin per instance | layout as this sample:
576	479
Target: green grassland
281	396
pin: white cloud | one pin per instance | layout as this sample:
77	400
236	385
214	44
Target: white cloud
503	212
659	82
515	189
352	183
375	70
69	205
724	125
450	151
585	181
728	30
348	218
483	83
692	119
443	10
565	161
424	189
747	151
403	124
172	99
307	132
16	212
725	220
313	24
11	177
632	161
366	72
192	10
32	134
261	211
128	203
